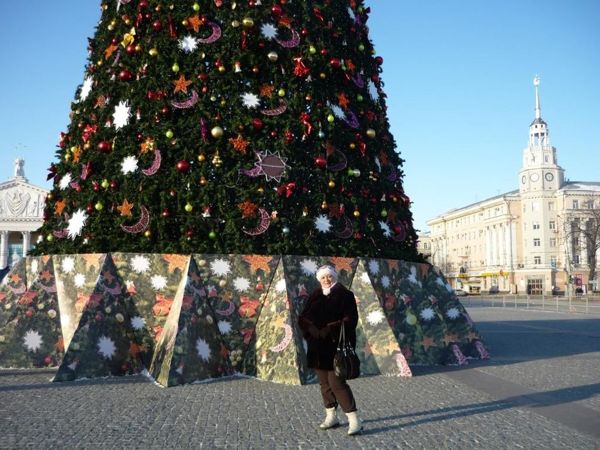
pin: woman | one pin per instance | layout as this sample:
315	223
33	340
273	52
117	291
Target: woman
327	309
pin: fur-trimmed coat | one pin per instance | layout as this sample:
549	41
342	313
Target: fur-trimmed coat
320	322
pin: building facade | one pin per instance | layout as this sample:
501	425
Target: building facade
536	239
21	214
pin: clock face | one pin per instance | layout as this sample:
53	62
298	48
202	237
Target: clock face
549	176
523	179
534	177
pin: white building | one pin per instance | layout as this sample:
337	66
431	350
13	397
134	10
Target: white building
521	241
21	214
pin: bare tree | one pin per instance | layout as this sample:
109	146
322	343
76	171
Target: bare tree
585	233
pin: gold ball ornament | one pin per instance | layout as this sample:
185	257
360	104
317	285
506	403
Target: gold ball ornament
356	213
201	157
153	52
202	181
221	69
216	132
273	56
247	22
175	67
185	22
188	207
281	92
235	23
148	234
99	206
196	7
222	283
330	118
371	133
331	184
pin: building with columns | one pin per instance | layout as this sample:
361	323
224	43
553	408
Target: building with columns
526	240
21	214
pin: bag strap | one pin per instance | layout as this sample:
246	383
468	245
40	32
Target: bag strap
342	338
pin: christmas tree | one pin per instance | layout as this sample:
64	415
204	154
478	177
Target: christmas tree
230	127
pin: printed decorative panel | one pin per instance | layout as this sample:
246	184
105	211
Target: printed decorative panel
104	342
235	286
76	278
191	348
31	335
377	346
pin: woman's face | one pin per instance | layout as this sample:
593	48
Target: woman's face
326	280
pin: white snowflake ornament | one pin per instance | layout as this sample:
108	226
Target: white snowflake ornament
309	267
32	341
76	223
452	313
138	323
106	347
241	284
121	115
129	165
188	44
375	317
427	314
140	264
387	232
224	327
220	267
203	349
65	181
79	280
268	31
322	223
158	282
86	88
250	100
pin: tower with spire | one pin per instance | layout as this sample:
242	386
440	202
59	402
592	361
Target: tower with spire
540	173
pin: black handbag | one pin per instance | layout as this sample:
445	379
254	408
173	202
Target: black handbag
345	362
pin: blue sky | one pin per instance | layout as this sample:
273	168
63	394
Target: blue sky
458	76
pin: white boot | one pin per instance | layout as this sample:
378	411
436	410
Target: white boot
331	419
354	423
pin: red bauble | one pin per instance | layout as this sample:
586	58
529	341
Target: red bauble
104	146
143	4
183	166
172	192
95	186
336	63
48	360
157	25
130	49
165	110
257	124
125	75
114	185
189	233
320	161
98	317
379	60
29	313
165	213
276	10
89	208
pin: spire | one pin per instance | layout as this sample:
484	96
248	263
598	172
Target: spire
538	109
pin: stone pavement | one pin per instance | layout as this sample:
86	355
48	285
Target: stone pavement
541	390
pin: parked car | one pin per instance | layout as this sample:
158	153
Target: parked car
494	290
460	292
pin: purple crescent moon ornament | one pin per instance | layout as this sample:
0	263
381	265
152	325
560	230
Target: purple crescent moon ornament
263	224
215	34
155	164
186	103
141	224
292	42
275	111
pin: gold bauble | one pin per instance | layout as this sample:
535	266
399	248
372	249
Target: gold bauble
248	22
201	157
261	190
352	146
235	23
148	233
216	132
153	52
324	205
273	56
322	76
371	133
331	184
202	181
356	213
184	22
221	69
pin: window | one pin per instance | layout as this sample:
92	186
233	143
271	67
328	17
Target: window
575	204
552	225
552	242
536	225
576	259
589	204
537	259
550	206
536	242
553	261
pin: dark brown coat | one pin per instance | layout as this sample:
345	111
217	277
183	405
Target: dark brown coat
320	322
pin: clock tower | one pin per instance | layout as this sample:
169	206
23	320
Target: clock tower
540	171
